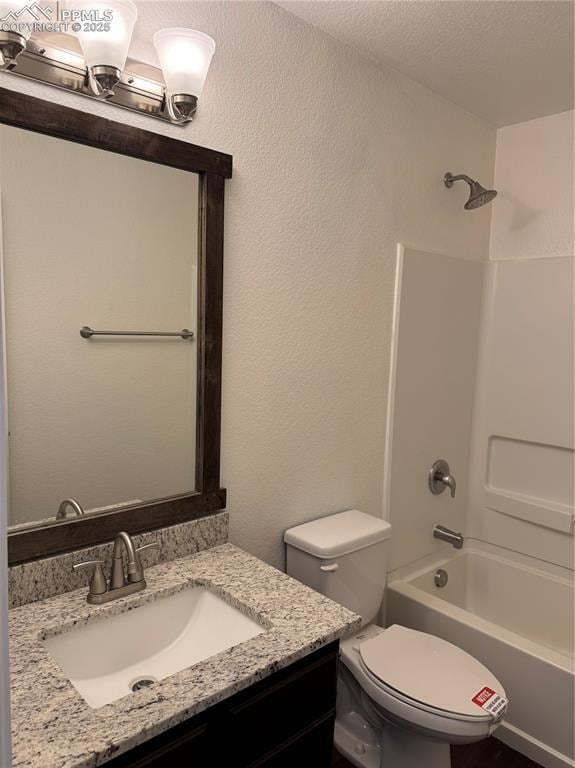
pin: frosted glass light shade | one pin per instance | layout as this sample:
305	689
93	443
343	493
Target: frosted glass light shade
185	56
109	48
22	25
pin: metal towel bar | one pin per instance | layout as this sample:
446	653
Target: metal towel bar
86	333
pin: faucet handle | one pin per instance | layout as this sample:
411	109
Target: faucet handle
98	583
440	478
136	570
152	545
143	548
449	481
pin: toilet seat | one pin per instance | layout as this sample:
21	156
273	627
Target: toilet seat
428	673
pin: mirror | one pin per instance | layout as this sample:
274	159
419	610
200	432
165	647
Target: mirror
95	238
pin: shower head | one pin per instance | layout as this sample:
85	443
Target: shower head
478	195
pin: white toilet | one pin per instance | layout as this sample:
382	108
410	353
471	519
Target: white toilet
403	696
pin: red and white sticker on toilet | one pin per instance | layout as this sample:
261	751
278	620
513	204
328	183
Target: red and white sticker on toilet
490	701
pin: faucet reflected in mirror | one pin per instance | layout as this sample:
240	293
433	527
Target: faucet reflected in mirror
123	580
73	505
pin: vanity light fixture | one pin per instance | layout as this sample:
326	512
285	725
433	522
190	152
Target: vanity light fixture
94	60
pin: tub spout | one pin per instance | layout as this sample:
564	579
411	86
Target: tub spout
445	534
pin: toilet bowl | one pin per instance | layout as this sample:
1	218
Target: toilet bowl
403	696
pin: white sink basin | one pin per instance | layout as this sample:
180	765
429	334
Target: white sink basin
104	660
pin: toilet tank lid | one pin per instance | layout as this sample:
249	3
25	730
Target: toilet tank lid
339	534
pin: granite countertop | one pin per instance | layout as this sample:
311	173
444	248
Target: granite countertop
52	725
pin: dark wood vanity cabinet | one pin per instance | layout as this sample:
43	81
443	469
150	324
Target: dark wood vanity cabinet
286	719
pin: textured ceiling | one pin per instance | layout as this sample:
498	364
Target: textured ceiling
505	61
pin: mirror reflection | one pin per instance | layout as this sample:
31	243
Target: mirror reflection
94	239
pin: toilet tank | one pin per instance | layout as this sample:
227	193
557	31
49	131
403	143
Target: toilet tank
343	556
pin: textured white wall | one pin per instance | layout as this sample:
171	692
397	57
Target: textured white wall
533	213
335	161
104	421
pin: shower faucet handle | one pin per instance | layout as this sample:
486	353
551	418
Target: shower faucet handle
440	478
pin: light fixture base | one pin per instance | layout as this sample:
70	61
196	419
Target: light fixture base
182	107
12	44
102	80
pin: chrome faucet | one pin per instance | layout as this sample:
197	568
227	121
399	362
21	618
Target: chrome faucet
75	506
445	534
440	478
121	583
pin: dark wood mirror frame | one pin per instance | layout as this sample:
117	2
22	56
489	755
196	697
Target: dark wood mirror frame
213	168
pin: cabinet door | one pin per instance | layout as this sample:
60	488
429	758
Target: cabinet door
180	747
313	749
280	709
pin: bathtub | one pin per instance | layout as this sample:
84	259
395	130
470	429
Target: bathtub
515	617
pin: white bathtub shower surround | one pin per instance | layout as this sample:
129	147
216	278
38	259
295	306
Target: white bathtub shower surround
515	618
437	310
523	445
510	598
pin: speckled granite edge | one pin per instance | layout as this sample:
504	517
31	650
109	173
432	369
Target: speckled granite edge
51	576
55	728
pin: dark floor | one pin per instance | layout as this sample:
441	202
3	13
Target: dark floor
490	753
